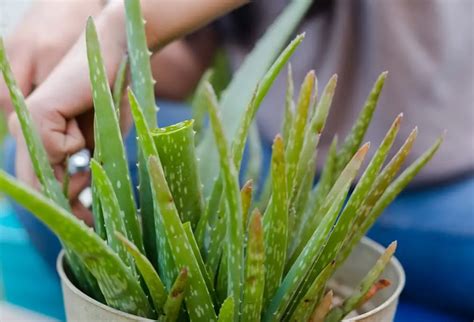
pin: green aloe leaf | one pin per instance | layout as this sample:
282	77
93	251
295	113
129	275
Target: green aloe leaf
354	301
357	133
255	155
297	130
118	285
261	91
254	282
175	145
355	202
153	230
175	298
113	216
143	84
276	222
347	175
317	195
211	208
288	289
217	237
49	185
384	178
198	299
189	234
306	164
289	105
389	194
119	84
234	231
305	262
226	313
113	156
150	276
307	304
245	81
240	138
198	103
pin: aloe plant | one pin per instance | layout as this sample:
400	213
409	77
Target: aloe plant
204	251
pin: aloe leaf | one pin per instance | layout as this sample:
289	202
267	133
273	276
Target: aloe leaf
226	313
305	262
192	241
153	230
150	276
297	130
198	103
198	299
289	105
261	91
119	84
255	155
113	216
306	163
175	145
99	224
378	187
356	200
234	231
246	196
240	138
49	185
117	283
143	84
317	195
357	133
323	308
276	222
217	237
211	208
113	156
175	298
389	194
222	275
347	176
246	79
307	304
354	301
38	155
292	281
254	281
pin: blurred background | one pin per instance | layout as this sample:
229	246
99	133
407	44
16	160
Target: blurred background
29	287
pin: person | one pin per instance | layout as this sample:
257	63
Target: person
427	47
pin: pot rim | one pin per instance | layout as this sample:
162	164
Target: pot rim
73	288
365	240
396	294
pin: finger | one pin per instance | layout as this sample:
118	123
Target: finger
61	137
82	212
77	183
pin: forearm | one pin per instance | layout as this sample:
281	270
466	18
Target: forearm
67	87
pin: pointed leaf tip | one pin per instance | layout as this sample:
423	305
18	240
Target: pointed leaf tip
360	154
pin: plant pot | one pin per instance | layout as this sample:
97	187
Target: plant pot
381	308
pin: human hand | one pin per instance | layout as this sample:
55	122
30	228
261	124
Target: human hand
64	98
44	35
